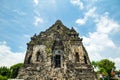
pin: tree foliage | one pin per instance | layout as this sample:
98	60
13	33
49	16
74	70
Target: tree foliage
9	72
3	77
4	71
106	66
14	69
94	64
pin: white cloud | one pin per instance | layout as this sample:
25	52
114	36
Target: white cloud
38	20
90	13
4	42
117	62
36	2
99	44
53	2
77	3
107	25
81	21
90	3
26	36
9	58
19	12
45	4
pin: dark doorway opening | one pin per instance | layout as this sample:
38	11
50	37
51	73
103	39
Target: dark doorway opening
76	57
58	27
85	59
38	56
29	59
57	61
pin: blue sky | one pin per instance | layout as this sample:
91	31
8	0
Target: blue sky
97	22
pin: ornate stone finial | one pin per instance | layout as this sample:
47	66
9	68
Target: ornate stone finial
73	30
81	39
35	35
58	22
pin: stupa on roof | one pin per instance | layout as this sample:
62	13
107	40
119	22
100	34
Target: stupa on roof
56	54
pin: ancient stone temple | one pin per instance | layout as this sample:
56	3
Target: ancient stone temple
56	54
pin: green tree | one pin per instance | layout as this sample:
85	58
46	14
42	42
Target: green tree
3	77
4	71
14	69
94	64
105	66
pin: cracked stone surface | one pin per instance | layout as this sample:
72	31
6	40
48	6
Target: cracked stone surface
56	54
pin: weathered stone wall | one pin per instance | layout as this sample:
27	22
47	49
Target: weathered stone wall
56	54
